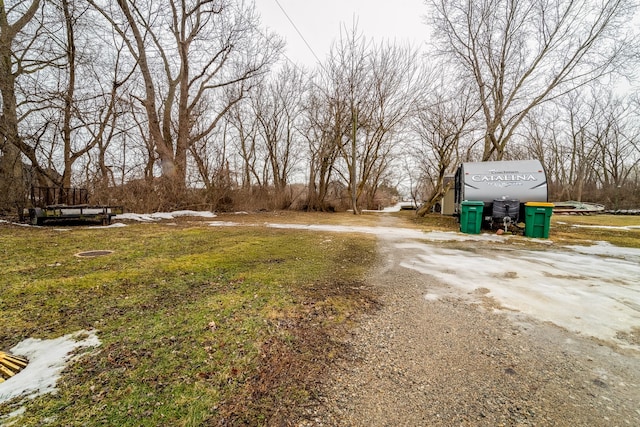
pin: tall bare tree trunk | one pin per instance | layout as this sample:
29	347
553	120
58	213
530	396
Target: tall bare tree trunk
353	172
164	150
69	95
12	182
12	186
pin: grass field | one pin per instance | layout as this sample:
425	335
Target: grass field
619	230
198	324
202	325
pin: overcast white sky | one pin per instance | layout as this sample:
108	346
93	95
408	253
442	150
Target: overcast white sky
320	23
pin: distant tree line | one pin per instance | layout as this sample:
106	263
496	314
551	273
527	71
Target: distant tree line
191	103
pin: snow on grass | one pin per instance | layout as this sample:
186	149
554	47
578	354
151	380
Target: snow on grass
165	215
225	224
19	224
114	225
393	232
383	232
396	208
608	227
47	359
609	250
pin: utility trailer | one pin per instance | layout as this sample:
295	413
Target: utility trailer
55	203
503	186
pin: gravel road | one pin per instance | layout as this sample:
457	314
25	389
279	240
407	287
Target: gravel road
458	361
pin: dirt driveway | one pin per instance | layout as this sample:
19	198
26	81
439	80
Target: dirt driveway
441	353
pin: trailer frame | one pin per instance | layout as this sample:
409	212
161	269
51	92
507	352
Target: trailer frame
60	203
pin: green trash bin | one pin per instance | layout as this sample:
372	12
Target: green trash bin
537	219
471	216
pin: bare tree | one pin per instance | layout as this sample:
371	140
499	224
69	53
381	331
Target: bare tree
397	85
88	92
581	152
618	140
616	136
277	106
517	54
442	123
373	88
12	180
324	126
191	54
589	143
347	69
543	142
68	80
245	126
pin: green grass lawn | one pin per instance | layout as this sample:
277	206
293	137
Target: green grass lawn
202	325
198	324
584	229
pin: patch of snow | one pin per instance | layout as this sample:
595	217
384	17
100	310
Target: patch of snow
13	414
200	214
608	227
432	297
47	359
224	224
590	294
162	215
114	225
19	224
452	236
165	215
393	233
136	217
607	249
384	232
396	208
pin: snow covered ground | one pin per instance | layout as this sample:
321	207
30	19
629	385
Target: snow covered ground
594	292
47	359
163	215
